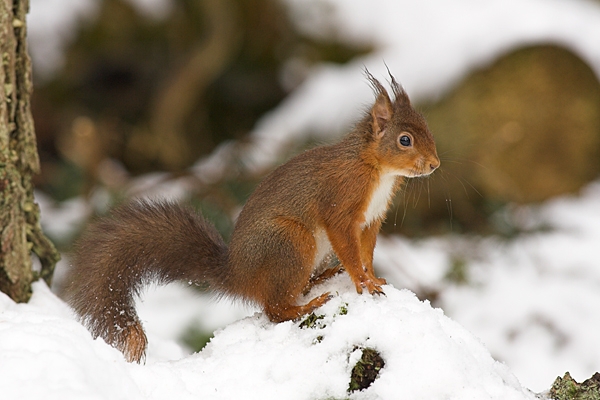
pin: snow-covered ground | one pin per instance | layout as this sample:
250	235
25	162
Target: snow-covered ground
533	302
46	354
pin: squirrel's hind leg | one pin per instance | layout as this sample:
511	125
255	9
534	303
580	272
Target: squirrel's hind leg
280	313
322	277
287	270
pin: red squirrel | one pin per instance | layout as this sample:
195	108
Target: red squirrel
329	199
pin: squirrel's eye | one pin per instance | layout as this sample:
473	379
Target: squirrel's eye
404	140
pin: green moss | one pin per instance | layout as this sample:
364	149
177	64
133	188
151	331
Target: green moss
343	309
366	370
196	338
312	321
567	388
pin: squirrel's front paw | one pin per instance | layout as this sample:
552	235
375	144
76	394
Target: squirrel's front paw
368	284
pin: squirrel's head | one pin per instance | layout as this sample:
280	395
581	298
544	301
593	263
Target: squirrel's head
399	135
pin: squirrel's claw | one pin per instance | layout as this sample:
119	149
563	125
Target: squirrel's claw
379	291
359	287
370	285
376	290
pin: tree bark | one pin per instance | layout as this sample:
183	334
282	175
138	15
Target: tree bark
20	231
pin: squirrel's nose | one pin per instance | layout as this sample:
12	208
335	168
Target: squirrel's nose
434	164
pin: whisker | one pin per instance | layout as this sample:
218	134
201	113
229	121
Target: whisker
448	197
462	181
428	195
452	161
449	209
405	208
418	196
461	161
408	189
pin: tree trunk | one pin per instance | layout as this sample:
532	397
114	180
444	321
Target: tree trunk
20	231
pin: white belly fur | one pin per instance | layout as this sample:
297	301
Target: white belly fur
380	198
323	247
377	207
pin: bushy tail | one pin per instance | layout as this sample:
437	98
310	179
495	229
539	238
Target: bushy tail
138	243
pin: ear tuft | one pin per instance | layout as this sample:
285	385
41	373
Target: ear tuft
400	95
381	112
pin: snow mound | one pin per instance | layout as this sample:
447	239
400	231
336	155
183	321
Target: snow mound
47	354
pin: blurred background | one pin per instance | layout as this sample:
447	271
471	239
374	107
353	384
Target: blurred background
197	100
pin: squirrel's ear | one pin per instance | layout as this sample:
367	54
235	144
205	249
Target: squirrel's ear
381	113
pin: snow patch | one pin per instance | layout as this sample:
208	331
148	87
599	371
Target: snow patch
47	354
